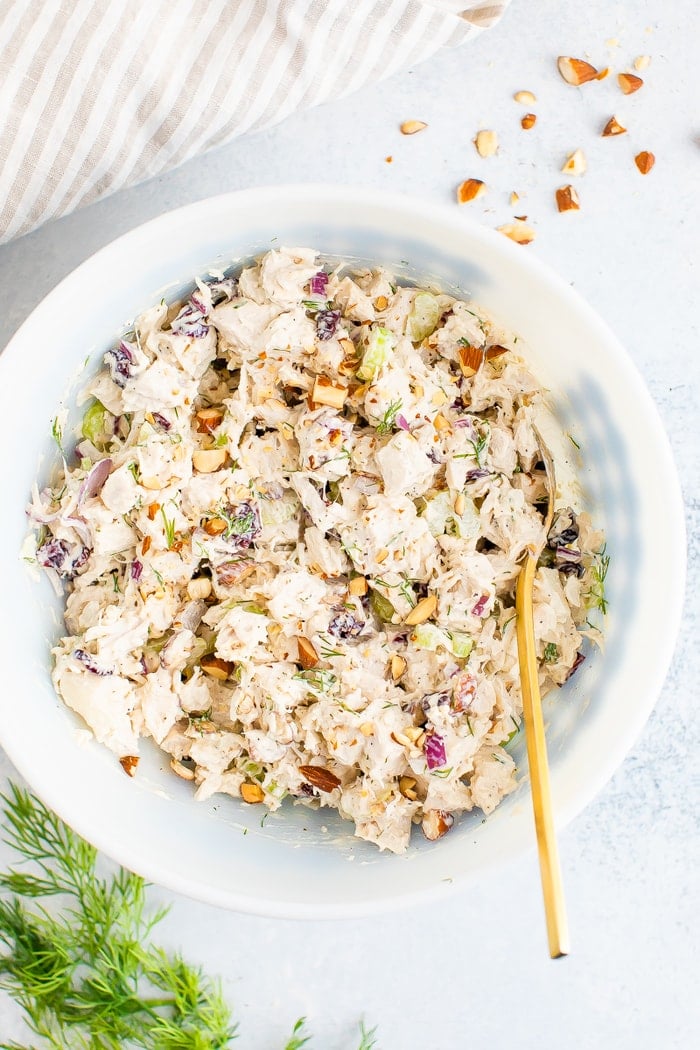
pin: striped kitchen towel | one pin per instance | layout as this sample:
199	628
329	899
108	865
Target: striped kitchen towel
100	94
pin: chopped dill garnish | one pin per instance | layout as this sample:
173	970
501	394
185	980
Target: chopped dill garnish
599	570
551	653
169	526
388	421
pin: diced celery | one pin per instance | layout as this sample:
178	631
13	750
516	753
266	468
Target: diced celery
381	606
278	511
429	636
423	318
94	423
438	511
378	349
462	644
467	524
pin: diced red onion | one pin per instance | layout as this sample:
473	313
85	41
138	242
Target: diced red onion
576	664
318	283
478	609
136	570
402	422
434	749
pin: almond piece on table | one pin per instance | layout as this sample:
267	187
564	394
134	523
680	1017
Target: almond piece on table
422	611
436	823
326	392
629	83
645	161
613	127
209	419
514	198
469	190
252	793
518	232
575	163
320	777
308	657
575	71
528	121
641	63
216	667
526	98
410	127
486	143
129	764
470	360
207	460
567	199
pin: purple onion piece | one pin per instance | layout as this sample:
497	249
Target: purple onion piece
162	422
569	554
434	700
244	526
89	663
464	422
345	625
190	321
136	570
318	283
95	480
478	609
476	475
575	666
326	323
121	361
402	422
80	559
230	572
53	554
434	749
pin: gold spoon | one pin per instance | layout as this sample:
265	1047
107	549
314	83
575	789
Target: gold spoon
550	871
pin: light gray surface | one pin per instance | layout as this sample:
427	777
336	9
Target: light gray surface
474	970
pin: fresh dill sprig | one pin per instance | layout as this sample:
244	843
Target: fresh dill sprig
479	447
88	975
551	653
57	433
368	1039
169	526
388	421
599	571
299	1036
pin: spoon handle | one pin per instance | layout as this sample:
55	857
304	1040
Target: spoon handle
550	871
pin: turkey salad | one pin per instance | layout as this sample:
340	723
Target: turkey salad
289	541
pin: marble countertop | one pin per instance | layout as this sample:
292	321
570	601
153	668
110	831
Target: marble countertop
475	971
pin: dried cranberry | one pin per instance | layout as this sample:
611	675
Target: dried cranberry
345	625
326	323
121	361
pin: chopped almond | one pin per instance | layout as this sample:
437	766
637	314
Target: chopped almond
514	198
407	787
436	823
575	71
209	419
308	657
320	777
152	510
528	121
486	143
382	555
252	793
208	460
494	351
410	127
215	667
215	526
526	98
381	302
146	545
469	190
398	666
613	127
422	611
629	83
325	392
470	360
129	764
181	770
358	586
460	504
440	423
518	232
575	163
567	199
641	63
645	161
603	73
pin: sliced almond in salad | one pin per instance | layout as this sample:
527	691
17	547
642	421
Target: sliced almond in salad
308	657
358	586
470	360
215	526
436	823
207	460
181	770
407	787
422	611
216	667
252	793
209	419
575	71
326	392
199	589
398	666
320	777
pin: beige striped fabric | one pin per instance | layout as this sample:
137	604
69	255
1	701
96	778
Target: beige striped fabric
100	94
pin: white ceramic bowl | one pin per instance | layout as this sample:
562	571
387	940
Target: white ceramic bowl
301	863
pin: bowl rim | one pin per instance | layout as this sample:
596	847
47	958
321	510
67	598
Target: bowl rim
440	214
